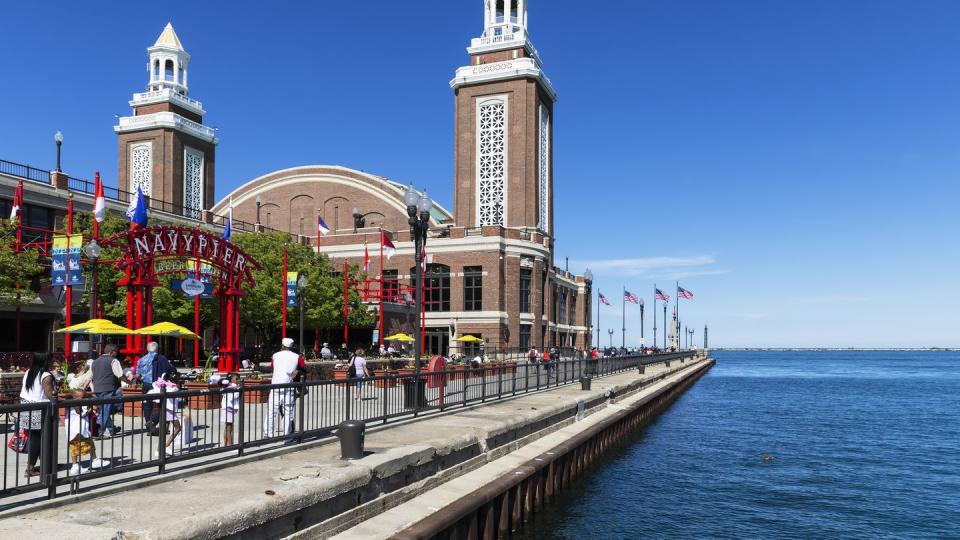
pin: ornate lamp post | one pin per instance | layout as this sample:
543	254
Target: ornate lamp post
93	253
58	138
610	331
418	210
641	326
259	204
301	287
588	276
360	220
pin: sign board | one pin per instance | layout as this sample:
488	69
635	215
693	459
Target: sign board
204	290
65	260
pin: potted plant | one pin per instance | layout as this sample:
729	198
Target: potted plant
255	395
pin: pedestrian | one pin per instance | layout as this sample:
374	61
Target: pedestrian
106	377
281	403
37	387
170	411
78	436
150	367
358	368
325	352
229	405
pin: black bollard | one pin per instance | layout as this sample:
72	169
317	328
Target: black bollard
585	383
641	368
350	434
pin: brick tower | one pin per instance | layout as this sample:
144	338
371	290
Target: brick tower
164	148
503	127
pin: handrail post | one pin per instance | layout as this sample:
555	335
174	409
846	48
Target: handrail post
48	449
163	431
302	407
239	426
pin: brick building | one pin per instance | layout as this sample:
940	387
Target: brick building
490	270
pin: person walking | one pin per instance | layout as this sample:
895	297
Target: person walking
37	387
106	377
150	367
359	364
325	352
281	403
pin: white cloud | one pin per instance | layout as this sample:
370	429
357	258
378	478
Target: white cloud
660	267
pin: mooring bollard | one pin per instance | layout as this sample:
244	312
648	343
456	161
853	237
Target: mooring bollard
585	383
641	368
350	434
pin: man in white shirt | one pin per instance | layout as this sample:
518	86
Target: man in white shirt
282	400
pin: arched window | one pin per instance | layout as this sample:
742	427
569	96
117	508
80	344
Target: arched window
156	70
436	287
168	70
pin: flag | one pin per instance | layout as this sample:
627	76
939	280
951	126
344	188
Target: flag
661	296
685	294
227	230
99	205
322	226
137	211
17	201
630	297
388	246
603	299
366	257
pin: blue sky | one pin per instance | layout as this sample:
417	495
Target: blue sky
794	164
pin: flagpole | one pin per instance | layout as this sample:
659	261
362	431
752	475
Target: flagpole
599	304
283	324
623	327
380	336
665	325
18	245
654	315
676	314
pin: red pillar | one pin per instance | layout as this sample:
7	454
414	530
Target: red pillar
196	320
68	311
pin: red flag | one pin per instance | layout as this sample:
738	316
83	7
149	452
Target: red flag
17	201
388	246
366	259
99	204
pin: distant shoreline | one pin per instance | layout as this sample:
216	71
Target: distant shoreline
829	349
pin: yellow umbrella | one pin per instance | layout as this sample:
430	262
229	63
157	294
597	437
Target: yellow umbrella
470	339
100	327
167	329
399	337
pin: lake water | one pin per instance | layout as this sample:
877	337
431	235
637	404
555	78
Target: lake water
864	445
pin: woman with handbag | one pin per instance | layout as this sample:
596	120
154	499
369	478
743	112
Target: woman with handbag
37	388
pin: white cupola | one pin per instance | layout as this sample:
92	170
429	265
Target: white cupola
168	63
504	17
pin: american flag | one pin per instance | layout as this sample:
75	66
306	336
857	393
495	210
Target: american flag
661	296
685	294
603	299
630	297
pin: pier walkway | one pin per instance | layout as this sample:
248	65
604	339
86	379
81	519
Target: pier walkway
307	490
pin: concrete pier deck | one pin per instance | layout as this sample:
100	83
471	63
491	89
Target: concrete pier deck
311	493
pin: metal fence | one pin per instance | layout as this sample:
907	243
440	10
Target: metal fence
24	171
195	421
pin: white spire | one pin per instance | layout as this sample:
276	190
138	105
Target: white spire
168	63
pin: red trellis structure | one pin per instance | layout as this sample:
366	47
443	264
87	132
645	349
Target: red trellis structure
144	247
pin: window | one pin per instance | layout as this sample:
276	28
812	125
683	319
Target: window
562	307
544	168
391	286
473	288
192	182
525	275
572	317
141	168
436	289
492	161
168	70
524	337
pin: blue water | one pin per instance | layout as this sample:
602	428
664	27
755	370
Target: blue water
865	445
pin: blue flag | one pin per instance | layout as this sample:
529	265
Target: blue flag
226	230
137	211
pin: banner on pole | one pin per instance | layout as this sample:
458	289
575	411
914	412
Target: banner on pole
292	300
65	264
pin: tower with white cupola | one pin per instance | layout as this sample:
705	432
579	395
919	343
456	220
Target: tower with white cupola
164	148
504	126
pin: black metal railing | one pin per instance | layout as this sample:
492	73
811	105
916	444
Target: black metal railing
24	171
195	422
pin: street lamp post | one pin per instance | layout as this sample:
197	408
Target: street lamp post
301	287
58	138
641	326
418	210
93	253
610	331
360	220
259	204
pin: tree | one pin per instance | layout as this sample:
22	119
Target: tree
19	272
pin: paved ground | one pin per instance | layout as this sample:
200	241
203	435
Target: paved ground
235	498
324	408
